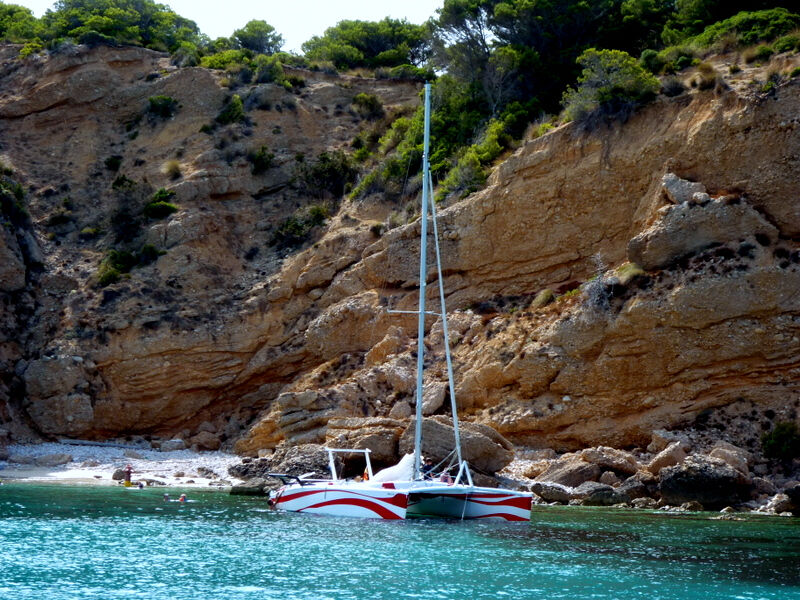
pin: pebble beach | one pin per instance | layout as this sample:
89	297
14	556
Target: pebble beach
96	464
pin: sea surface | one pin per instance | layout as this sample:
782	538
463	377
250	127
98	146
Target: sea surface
62	542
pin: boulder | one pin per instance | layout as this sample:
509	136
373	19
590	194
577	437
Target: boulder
570	472
610	478
779	503
793	493
673	454
206	472
735	459
593	493
251	469
679	190
709	481
482	447
632	488
53	460
205	440
255	487
764	486
618	461
21	459
433	395
173	445
303	459
686	228
552	492
644	502
661	438
380	435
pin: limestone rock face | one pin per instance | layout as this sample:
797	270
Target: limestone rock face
686	228
12	267
274	345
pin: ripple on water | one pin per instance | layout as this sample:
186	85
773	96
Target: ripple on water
62	543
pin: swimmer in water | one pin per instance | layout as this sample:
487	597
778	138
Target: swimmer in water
182	498
166	497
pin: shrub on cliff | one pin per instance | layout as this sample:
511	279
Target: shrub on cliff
159	206
162	106
368	106
261	159
232	112
611	86
751	27
329	175
294	231
783	442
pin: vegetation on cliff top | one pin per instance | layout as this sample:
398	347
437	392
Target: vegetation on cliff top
501	64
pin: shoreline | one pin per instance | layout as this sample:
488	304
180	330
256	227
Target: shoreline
92	464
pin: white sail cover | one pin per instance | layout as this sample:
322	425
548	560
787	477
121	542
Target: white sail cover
402	471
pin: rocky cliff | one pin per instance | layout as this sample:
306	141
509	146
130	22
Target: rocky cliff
668	242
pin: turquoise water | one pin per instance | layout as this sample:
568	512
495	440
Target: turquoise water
61	542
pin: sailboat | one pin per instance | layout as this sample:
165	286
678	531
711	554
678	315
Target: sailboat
407	489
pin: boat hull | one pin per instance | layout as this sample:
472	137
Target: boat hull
342	501
404	500
462	502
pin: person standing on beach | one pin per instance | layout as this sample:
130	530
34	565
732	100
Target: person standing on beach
128	471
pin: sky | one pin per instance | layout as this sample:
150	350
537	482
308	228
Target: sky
295	20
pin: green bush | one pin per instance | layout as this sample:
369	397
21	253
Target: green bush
122	182
118	262
159	206
294	231
159	210
465	177
787	43
222	60
162	106
611	85
262	159
751	27
232	112
405	73
148	254
672	86
269	69
113	162
329	174
368	106
783	442
760	53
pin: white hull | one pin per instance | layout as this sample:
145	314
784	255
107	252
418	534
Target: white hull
342	499
406	499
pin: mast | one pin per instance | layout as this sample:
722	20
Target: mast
423	269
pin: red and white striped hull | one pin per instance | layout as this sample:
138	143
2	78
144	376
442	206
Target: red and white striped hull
400	500
342	499
465	502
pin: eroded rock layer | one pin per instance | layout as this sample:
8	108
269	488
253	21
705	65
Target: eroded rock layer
229	335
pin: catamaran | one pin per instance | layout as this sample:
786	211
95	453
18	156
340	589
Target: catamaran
408	489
